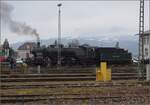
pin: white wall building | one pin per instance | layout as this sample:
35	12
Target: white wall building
24	50
146	45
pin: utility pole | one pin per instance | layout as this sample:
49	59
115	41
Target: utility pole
141	41
0	51
59	37
0	38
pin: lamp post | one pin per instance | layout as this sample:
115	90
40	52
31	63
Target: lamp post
59	36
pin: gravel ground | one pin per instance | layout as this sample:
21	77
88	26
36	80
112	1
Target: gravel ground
127	95
122	101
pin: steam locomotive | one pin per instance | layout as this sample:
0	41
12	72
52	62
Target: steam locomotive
81	55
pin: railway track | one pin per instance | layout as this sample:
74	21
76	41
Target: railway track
45	75
62	77
28	98
73	69
70	85
125	72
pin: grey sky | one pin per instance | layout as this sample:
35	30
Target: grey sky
79	18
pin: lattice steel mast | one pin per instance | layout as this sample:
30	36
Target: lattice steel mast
141	34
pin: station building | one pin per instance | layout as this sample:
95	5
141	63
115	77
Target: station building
24	51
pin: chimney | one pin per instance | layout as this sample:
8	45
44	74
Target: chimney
38	41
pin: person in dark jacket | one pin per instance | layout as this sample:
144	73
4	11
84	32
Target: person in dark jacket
12	63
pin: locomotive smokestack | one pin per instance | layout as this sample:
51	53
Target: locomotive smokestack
38	41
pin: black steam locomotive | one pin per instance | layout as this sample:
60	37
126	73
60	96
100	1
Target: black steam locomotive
81	55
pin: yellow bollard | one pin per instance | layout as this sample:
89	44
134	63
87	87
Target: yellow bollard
24	68
108	78
98	75
103	70
103	74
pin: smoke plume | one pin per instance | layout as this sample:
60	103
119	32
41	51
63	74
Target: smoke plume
14	26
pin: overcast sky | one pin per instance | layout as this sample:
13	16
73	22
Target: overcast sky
79	18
